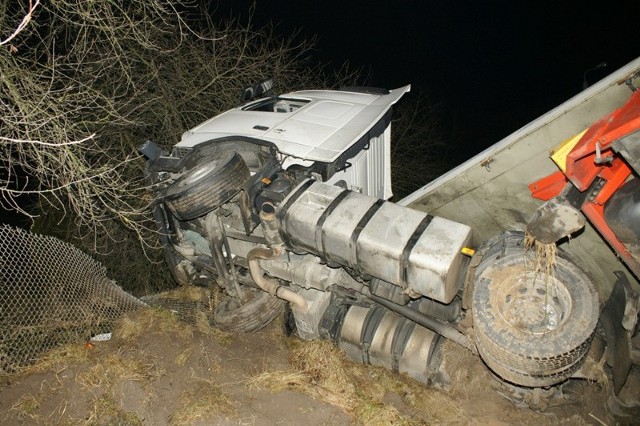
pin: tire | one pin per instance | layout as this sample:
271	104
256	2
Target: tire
207	186
260	309
531	329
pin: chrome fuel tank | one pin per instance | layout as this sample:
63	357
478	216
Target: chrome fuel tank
405	247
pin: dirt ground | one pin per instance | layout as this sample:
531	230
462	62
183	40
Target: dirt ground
156	371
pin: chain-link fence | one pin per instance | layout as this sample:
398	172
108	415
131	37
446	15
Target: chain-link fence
190	304
51	293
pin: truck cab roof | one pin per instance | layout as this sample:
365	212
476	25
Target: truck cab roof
314	125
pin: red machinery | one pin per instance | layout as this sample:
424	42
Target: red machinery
600	176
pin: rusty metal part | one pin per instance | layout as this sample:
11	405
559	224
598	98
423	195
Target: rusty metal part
271	285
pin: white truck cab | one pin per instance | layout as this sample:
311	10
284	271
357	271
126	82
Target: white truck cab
347	130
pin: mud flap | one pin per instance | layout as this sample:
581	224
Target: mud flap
619	319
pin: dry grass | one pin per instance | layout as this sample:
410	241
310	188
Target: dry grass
150	321
370	412
188	292
60	357
545	254
204	402
275	333
117	368
322	371
467	376
322	363
437	406
184	356
204	326
27	406
192	306
105	410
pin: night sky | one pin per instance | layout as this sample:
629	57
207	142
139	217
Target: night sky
489	66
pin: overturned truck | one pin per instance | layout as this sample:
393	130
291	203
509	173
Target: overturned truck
283	203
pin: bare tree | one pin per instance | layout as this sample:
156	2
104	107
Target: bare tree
23	23
419	151
82	84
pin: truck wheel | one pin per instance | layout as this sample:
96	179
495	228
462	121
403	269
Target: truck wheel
256	312
207	186
531	329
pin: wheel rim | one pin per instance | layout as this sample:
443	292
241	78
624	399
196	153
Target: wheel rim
199	173
531	302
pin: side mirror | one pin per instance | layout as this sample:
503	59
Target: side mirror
150	150
256	90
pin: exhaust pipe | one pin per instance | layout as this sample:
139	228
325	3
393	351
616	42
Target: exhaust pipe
268	284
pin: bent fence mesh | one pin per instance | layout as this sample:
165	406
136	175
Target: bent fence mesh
51	293
193	305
